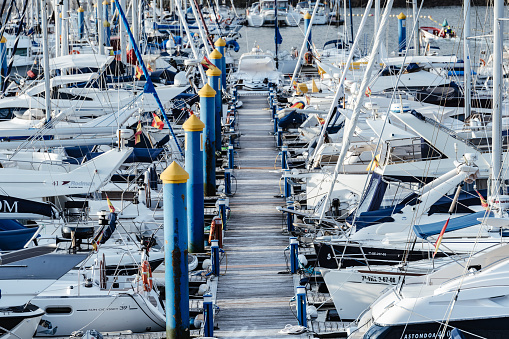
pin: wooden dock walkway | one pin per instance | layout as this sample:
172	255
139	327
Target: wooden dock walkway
253	297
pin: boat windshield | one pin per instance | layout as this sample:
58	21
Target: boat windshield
268	5
256	63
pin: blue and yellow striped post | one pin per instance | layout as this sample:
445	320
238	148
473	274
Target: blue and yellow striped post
215	81
307	22
193	128
208	116
401	31
81	22
107	33
220	45
174	180
106	12
3	58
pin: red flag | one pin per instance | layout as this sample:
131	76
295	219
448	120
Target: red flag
139	72
206	62
158	123
137	135
484	203
439	240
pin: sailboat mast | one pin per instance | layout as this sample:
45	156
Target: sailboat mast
466	58
45	60
276	32
417	48
498	12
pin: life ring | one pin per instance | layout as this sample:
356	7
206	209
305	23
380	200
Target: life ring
227	21
146	276
483	62
75	52
308	57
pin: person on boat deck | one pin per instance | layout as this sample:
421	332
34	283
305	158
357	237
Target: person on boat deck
448	31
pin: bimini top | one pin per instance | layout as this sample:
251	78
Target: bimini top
426	230
81	61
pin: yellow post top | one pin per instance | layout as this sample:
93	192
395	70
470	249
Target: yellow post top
81	10
213	72
60	15
174	174
307	16
106	23
193	124
106	2
95	5
401	16
207	92
220	42
215	54
3	40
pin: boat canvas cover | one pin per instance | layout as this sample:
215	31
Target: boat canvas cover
80	61
255	63
426	230
12	205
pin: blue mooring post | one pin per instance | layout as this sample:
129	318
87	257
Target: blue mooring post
3	59
208	316
287	189
107	33
307	21
214	75
289	216
231	164
284	156
294	254
301	306
193	128
81	22
279	136
175	251
401	31
220	45
106	7
276	125
214	252
227	182
208	116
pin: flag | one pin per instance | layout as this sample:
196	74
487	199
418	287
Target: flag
158	123
374	163
321	72
484	203
206	62
368	92
137	135
278	39
110	206
308	100
139	72
149	68
439	240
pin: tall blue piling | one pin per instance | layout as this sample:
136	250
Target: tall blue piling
284	157
208	316
294	255
301	306
307	22
220	45
174	180
107	33
401	31
3	58
106	7
208	116
193	128
214	252
214	75
81	22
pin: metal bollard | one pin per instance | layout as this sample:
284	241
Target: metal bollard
294	253
230	157
301	306
289	216
222	210
276	124
214	249
279	137
284	156
208	316
227	182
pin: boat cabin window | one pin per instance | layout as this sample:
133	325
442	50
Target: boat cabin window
58	310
